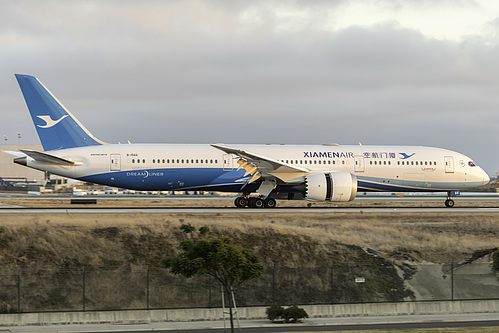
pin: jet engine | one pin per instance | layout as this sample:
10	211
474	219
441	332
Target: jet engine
331	186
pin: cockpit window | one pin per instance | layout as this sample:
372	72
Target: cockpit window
471	164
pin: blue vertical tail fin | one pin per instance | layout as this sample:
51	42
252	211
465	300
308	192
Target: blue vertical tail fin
57	128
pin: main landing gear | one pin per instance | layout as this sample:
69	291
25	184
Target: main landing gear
449	202
257	202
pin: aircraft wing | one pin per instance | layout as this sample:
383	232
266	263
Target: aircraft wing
258	165
47	158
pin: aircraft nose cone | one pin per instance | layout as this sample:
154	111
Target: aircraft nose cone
486	178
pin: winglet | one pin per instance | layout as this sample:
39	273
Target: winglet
57	128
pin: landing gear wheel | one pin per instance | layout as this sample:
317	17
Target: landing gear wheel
449	203
256	203
270	203
241	202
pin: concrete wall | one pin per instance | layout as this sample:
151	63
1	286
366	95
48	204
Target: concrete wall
179	315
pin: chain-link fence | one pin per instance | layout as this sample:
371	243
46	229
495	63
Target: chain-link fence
156	288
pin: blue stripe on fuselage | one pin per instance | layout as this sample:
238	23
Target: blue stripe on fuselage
171	179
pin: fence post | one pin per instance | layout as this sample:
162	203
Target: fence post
209	291
452	279
147	287
332	284
18	292
83	288
273	283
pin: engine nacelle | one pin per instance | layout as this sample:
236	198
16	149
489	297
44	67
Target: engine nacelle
331	186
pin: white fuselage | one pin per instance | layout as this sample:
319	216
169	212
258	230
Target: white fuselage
202	167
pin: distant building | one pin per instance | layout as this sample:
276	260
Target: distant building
9	169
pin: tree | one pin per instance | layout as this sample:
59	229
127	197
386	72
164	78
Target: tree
219	257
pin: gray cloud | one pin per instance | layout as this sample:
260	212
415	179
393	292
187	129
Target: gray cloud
224	71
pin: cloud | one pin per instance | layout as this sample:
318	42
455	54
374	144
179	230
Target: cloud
238	71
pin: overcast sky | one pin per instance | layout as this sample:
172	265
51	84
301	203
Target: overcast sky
414	72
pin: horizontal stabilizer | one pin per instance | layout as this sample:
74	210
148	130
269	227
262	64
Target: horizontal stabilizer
15	153
47	158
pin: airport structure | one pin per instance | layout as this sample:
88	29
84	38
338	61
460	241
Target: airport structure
12	171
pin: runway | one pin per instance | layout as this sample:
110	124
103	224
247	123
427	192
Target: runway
388	204
227	210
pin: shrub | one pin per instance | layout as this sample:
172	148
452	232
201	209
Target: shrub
275	313
293	314
495	261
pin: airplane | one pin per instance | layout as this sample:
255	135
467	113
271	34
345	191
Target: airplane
322	173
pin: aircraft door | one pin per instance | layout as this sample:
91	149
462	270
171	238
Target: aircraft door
359	164
449	164
227	158
115	162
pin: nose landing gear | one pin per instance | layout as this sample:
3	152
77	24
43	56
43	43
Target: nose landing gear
449	202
